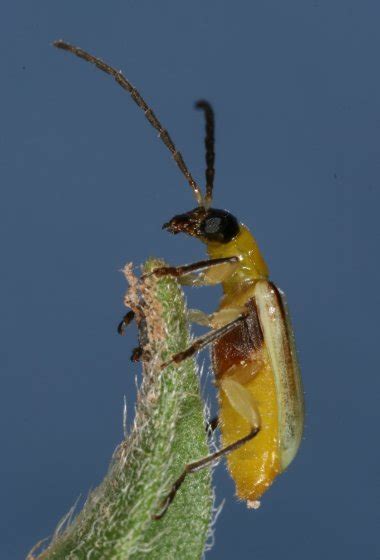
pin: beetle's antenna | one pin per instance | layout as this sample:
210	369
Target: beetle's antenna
209	145
125	84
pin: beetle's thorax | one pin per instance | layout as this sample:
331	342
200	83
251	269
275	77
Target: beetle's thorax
243	245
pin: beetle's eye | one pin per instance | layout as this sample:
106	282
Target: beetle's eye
219	226
212	225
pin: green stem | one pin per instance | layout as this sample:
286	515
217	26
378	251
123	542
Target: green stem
168	432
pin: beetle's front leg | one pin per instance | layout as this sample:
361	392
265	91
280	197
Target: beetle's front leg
126	320
202	273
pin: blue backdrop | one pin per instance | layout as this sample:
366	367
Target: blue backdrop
86	186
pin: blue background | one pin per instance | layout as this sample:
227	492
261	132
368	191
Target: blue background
86	186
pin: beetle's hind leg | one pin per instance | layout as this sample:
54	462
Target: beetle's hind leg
212	424
241	400
201	464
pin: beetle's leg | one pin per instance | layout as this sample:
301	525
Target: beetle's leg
216	319
204	341
202	463
199	317
202	273
126	320
212	424
136	354
241	400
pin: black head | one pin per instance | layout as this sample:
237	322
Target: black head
208	225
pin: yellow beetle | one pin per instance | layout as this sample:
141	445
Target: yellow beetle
253	352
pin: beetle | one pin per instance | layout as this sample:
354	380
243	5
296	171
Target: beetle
251	338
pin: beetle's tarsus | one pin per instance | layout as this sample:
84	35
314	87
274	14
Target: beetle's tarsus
136	354
212	424
126	320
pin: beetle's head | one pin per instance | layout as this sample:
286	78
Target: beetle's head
207	224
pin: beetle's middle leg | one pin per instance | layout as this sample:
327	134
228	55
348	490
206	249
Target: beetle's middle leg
217	319
204	341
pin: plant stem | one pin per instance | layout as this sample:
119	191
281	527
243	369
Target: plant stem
168	432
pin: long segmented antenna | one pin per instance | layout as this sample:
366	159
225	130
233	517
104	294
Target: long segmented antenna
151	117
209	145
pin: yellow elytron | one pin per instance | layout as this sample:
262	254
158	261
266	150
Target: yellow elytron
254	358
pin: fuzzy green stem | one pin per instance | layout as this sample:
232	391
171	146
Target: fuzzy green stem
169	431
